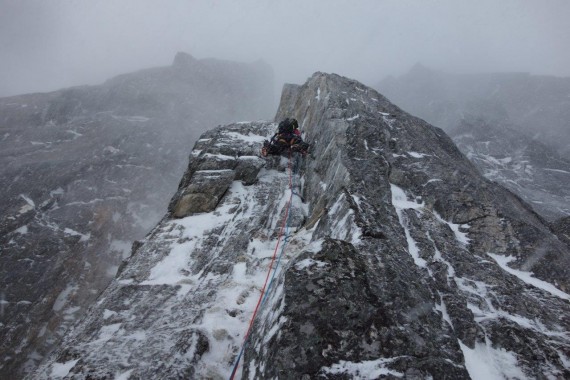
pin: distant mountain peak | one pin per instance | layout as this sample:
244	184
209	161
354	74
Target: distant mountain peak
183	59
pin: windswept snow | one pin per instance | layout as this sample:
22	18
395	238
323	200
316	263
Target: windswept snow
308	263
528	277
370	369
460	236
250	138
487	363
401	202
417	155
60	370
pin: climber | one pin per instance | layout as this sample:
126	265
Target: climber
288	136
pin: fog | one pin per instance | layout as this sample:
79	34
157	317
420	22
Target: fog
47	45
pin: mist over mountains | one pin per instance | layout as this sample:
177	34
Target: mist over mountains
86	171
514	126
399	260
409	262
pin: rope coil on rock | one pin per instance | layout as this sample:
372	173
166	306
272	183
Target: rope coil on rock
262	297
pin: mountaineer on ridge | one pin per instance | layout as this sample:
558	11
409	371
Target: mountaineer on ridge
288	136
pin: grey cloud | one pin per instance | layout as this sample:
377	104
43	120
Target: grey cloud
49	45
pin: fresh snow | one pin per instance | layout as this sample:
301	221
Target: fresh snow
222	157
22	230
370	369
459	235
400	203
487	363
108	313
60	370
417	155
308	263
250	138
27	207
83	237
528	277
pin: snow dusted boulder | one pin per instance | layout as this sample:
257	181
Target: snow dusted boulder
220	157
204	192
395	259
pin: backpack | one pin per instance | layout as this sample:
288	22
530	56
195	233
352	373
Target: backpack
287	126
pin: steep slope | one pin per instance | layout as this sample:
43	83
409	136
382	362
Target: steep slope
523	165
87	170
523	117
401	260
538	105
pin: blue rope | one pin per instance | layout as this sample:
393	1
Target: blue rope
285	241
283	246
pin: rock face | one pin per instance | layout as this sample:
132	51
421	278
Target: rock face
523	165
514	127
395	259
87	170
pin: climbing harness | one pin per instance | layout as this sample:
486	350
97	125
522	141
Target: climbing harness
283	233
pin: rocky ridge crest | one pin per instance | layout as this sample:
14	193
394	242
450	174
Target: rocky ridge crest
402	261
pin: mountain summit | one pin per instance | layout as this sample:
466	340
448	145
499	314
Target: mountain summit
400	261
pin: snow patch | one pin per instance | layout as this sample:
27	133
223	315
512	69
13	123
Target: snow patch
27	207
400	200
400	203
370	369
307	263
459	235
60	370
221	157
251	138
22	230
58	191
108	313
83	237
487	363
125	375
417	155
528	277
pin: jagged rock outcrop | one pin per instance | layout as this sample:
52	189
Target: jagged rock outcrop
85	171
401	261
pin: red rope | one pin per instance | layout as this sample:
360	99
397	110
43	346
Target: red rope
283	224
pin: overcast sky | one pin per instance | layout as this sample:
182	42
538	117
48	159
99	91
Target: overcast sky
46	45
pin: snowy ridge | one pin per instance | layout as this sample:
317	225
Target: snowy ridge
386	270
216	262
